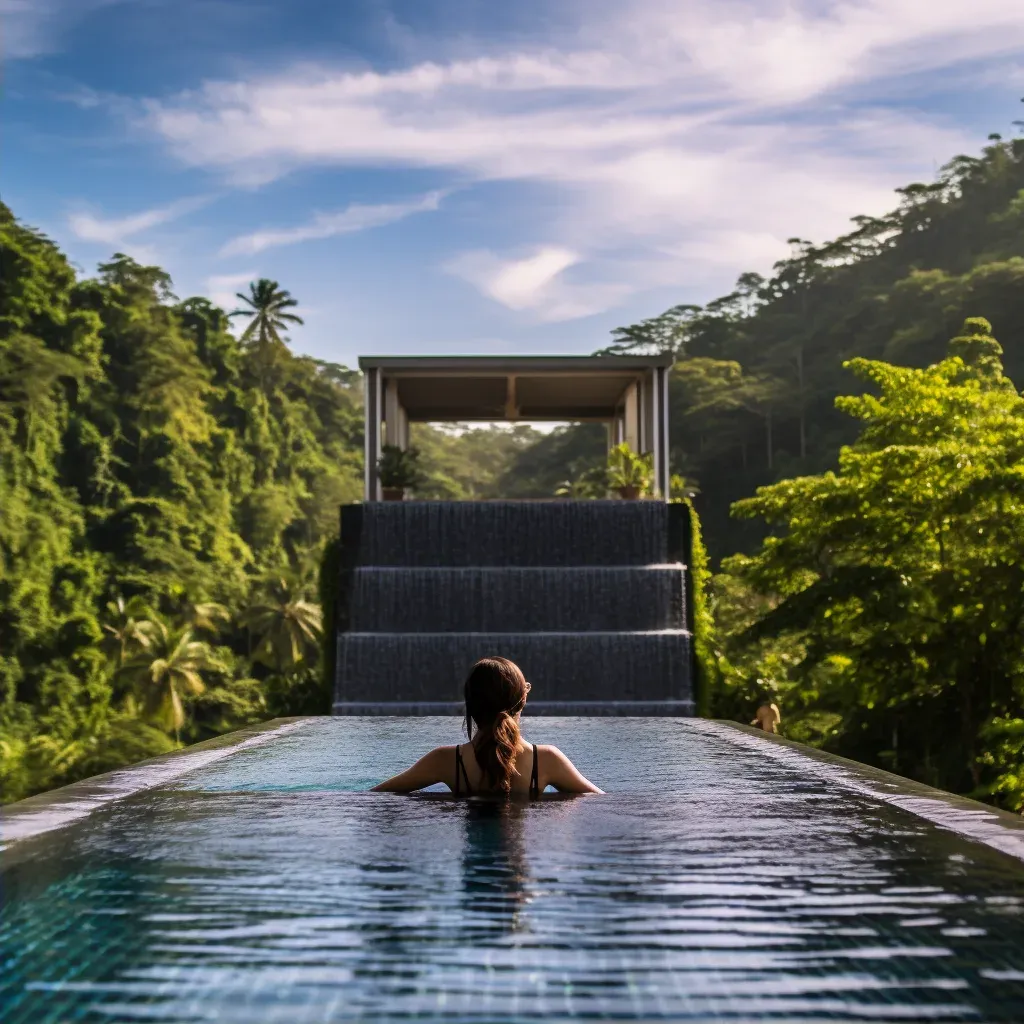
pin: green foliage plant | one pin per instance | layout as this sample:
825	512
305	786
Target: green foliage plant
628	471
167	671
398	467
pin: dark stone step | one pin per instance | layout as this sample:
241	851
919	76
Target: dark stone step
528	533
415	668
516	599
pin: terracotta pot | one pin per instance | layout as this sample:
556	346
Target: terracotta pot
629	493
393	493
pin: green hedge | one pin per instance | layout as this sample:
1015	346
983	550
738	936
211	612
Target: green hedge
703	623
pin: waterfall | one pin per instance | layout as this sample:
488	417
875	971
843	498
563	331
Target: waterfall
587	597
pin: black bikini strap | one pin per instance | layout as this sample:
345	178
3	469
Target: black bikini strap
460	767
534	778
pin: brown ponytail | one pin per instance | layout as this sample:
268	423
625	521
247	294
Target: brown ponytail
496	692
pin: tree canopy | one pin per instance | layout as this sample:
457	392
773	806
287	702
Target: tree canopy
897	580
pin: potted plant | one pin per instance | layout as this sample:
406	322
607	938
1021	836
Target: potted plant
398	468
629	473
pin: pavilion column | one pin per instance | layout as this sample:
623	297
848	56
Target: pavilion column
649	412
662	461
371	434
396	421
631	415
403	428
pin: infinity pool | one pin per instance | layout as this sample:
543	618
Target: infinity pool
725	876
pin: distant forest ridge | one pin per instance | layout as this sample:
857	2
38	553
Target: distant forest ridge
758	372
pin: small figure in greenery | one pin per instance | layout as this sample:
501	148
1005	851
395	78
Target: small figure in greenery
767	717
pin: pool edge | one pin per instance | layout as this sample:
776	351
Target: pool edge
57	808
998	829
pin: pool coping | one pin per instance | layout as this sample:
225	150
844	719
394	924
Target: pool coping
970	819
56	808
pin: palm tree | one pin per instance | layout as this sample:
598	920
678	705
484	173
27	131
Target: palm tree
267	306
129	626
170	668
286	624
208	616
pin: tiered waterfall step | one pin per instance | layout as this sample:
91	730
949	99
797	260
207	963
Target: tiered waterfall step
504	533
588	597
389	599
576	667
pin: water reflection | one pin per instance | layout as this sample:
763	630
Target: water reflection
495	869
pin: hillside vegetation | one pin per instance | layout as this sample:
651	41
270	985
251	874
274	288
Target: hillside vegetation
167	491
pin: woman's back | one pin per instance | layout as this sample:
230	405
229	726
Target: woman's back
470	777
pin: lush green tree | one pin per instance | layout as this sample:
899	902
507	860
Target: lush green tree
462	461
569	452
900	575
128	627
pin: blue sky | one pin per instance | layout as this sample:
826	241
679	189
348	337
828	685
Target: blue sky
451	176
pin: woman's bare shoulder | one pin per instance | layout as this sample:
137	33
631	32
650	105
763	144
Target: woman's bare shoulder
560	772
431	768
550	750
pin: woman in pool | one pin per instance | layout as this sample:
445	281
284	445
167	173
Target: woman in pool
497	760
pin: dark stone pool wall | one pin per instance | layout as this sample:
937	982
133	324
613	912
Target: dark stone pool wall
590	598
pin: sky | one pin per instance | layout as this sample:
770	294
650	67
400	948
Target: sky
465	176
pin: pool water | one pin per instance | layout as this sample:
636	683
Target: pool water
723	877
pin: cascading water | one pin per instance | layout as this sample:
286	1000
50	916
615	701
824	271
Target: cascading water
588	597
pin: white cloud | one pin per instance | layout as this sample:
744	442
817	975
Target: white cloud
222	289
120	232
357	217
518	283
537	284
703	134
664	75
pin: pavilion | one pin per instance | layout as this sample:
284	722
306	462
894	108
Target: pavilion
628	393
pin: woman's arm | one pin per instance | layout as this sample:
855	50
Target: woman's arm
560	772
428	770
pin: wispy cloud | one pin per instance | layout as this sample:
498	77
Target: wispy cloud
357	217
222	289
727	124
35	27
121	231
662	76
537	283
